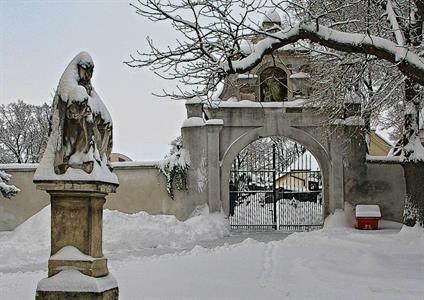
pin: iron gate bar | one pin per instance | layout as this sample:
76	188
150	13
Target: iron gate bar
286	203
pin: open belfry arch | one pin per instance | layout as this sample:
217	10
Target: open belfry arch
270	101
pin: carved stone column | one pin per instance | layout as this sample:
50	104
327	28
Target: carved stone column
77	267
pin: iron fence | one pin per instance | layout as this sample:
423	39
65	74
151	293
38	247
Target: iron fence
275	184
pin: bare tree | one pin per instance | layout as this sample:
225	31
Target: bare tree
23	132
369	40
7	190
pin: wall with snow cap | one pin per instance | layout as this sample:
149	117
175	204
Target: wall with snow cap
142	188
384	185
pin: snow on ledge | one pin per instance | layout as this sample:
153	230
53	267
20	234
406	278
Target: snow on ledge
30	167
300	75
367	211
193	122
134	164
394	159
215	122
20	167
74	281
255	104
71	253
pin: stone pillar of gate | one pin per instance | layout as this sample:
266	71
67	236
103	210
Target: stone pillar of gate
214	127
336	173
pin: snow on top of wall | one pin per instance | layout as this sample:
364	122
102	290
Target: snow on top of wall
300	75
124	164
193	122
247	76
215	122
272	16
374	158
74	281
255	104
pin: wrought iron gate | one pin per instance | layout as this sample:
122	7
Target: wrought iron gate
275	183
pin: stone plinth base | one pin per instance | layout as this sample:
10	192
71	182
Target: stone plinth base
111	294
77	267
72	284
76	226
96	267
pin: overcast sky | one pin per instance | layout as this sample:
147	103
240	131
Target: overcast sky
39	38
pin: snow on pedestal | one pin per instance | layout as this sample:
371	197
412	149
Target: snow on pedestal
75	281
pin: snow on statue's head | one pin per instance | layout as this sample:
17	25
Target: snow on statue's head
80	141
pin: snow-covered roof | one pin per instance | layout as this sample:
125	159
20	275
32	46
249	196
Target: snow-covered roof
384	135
299	163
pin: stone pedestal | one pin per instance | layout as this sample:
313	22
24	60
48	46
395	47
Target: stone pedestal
77	268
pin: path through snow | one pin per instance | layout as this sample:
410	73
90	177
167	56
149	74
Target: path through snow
337	262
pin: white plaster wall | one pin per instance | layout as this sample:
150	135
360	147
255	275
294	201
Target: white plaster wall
141	188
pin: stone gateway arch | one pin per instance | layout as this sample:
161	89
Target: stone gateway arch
274	99
234	125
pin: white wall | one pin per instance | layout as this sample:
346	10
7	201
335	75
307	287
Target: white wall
142	188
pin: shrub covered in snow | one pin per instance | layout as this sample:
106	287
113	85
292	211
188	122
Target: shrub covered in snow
7	190
413	213
174	166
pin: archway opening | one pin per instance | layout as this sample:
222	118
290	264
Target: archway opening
275	183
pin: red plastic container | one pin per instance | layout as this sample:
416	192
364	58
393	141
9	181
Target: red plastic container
367	216
367	223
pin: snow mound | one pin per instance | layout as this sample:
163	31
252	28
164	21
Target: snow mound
136	231
341	219
28	246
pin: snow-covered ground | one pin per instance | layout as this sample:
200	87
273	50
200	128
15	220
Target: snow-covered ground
158	257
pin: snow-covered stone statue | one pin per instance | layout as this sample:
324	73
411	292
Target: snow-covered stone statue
81	138
76	173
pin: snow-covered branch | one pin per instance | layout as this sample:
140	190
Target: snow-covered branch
408	62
